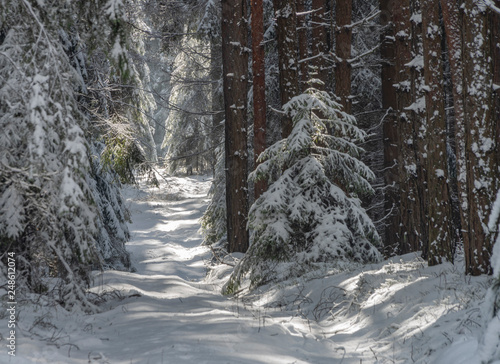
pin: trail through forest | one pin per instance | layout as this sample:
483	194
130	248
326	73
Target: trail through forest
171	311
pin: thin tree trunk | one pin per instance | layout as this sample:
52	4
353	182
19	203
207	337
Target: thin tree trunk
343	39
439	210
495	47
259	86
286	19
235	73
390	131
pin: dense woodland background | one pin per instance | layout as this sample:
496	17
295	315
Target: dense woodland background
338	132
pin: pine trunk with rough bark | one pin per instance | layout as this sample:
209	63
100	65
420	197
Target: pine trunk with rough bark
319	43
410	230
235	74
452	22
390	131
302	27
286	31
259	86
440	246
480	138
343	40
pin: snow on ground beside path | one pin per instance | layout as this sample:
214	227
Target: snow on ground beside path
170	311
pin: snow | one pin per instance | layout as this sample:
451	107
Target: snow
171	311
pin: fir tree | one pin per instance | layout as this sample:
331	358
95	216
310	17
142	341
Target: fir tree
310	215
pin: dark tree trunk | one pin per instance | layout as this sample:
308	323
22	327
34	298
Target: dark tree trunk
390	131
439	210
480	138
302	27
453	31
319	43
259	86
343	40
286	19
235	74
411	214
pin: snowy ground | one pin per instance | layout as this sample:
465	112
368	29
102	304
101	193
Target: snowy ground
171	311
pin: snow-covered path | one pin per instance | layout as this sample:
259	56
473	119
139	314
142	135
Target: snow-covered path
170	311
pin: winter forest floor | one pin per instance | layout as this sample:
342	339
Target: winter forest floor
171	311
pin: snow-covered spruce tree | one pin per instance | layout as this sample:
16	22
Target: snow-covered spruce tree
310	214
112	229
46	212
48	188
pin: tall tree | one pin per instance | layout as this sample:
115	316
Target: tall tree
452	22
480	137
439	210
343	40
390	129
407	70
235	74
259	85
286	29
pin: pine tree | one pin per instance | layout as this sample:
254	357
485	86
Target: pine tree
438	196
480	140
259	85
235	75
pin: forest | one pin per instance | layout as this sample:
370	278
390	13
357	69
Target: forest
336	135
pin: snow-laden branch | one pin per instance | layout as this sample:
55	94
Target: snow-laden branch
492	6
361	22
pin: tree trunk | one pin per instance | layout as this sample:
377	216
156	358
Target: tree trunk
439	210
343	40
495	47
302	27
411	214
453	30
286	18
235	73
319	43
480	138
259	86
390	131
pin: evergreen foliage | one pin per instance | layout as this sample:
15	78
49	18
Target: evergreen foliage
213	222
310	213
50	190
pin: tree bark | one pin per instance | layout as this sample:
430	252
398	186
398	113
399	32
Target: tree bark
319	43
235	73
453	30
439	210
343	40
259	87
302	27
390	131
286	19
480	138
410	174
